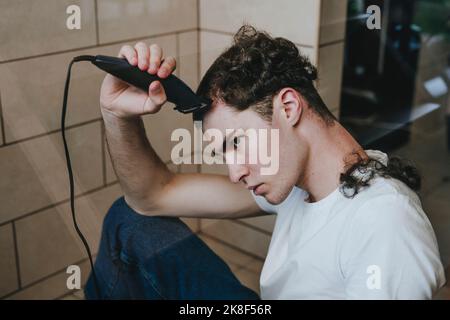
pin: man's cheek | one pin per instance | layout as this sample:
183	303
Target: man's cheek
269	158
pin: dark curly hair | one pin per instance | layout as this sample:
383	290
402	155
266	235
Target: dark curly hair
359	174
256	67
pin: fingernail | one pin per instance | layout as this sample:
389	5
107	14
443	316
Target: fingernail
162	73
156	88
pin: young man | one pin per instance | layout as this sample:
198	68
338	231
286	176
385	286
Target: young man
349	225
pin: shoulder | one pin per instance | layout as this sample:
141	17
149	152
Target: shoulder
387	200
389	214
389	229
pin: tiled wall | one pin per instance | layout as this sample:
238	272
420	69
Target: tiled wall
317	27
37	239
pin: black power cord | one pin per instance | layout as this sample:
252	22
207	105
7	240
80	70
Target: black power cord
69	167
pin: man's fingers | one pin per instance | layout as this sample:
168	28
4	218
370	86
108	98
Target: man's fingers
156	93
167	67
155	58
156	98
128	53
143	53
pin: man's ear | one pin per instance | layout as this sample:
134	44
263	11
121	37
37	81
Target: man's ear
290	105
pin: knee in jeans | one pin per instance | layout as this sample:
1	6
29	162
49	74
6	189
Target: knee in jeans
129	231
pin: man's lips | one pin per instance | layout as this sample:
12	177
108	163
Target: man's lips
255	188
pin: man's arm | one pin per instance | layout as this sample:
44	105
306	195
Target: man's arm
148	186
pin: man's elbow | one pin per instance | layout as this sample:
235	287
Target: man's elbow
147	203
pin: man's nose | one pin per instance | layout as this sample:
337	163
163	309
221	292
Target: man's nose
237	172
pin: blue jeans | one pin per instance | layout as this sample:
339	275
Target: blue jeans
153	257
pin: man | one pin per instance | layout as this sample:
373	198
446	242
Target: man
349	225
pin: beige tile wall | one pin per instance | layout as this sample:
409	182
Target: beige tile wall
8	264
330	51
32	94
188	57
30	28
1	122
51	287
330	74
35	220
47	241
34	172
119	20
295	20
332	21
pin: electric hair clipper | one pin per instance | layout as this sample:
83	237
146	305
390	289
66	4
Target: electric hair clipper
177	91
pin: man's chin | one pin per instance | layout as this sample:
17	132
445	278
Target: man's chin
270	199
274	199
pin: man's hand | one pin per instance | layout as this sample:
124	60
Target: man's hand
125	101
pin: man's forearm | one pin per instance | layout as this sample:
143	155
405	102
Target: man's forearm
140	171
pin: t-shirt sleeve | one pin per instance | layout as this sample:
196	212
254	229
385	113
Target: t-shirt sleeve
390	252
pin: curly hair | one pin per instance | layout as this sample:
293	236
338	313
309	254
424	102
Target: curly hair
359	174
256	67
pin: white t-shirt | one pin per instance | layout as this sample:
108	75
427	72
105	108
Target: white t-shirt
378	245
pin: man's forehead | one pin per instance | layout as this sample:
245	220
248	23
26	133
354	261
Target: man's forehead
222	117
219	111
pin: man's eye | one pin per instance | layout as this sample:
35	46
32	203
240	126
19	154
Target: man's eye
236	141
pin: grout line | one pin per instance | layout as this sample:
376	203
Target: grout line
97	37
102	134
250	226
98	46
16	253
2	124
54	205
317	41
226	33
326	44
45	278
69	293
240	267
252	255
199	61
178	56
52	132
198	42
198	15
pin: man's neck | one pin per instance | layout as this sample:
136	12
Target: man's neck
331	151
